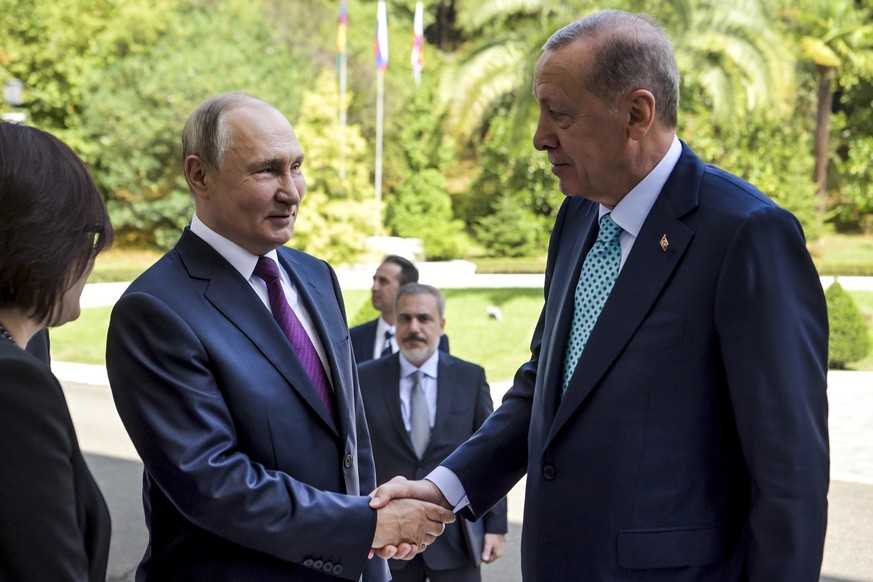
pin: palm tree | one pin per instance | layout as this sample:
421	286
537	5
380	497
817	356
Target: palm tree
728	50
837	37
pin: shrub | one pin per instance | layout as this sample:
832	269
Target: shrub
849	339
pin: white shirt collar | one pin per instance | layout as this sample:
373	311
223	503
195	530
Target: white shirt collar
429	367
631	212
241	259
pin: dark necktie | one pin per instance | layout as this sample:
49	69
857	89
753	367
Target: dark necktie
387	350
286	318
419	416
598	275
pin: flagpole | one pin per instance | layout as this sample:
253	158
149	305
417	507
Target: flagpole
342	39
381	65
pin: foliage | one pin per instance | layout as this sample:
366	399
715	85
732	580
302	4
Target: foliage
139	103
763	151
337	214
513	202
849	339
420	205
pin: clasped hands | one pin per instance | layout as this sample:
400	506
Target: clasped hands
410	515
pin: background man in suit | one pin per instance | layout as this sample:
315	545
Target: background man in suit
249	423
377	338
687	439
456	401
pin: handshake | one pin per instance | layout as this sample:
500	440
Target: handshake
410	515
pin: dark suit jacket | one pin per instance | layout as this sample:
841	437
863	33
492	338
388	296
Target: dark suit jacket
463	404
692	441
54	524
364	338
246	475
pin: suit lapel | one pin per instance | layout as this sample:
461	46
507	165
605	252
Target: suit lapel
391	395
447	383
235	299
645	274
321	315
581	224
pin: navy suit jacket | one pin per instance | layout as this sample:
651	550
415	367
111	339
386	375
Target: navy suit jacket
364	338
246	475
692	441
463	404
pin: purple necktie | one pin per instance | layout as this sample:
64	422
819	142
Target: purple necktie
286	318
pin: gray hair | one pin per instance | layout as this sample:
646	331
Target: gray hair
421	288
633	52
206	134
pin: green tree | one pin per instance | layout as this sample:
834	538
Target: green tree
731	52
337	214
849	339
836	37
137	105
419	204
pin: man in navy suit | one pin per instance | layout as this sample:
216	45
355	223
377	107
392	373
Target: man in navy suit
458	401
689	440
377	338
256	451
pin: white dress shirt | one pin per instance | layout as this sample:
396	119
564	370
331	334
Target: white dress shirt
428	384
245	262
379	343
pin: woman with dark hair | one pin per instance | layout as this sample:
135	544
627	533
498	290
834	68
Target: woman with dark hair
54	524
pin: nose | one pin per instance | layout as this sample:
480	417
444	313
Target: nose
544	137
292	187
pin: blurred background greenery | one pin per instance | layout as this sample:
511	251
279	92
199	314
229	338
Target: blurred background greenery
779	92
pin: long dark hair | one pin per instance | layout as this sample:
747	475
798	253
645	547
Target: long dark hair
53	220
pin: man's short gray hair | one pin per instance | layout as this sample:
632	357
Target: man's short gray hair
632	52
206	134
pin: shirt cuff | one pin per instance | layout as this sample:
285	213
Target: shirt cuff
450	486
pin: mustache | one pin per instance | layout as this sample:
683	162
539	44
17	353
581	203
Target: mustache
413	337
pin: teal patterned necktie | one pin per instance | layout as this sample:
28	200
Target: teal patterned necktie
598	275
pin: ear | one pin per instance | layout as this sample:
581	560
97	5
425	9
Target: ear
641	113
442	325
195	173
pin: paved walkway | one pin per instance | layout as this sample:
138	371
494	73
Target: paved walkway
848	554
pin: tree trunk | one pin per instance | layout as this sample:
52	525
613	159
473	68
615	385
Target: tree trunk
822	132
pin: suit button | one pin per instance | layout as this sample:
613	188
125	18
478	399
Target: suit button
348	461
549	472
337	570
317	564
308	562
328	567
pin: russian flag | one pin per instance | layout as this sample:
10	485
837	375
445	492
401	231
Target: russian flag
382	36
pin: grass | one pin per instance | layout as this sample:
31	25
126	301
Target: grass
843	255
499	346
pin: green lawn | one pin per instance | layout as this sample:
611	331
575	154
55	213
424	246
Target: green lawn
499	346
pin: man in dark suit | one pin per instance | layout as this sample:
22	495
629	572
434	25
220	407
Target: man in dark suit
377	338
687	439
231	368
457	401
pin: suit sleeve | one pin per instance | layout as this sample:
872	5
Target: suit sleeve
40	537
495	519
167	395
492	461
772	324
